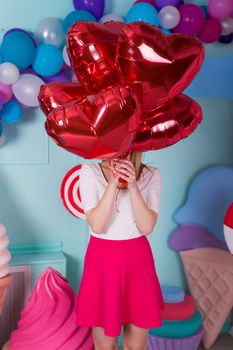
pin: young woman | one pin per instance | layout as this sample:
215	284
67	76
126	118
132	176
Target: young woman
119	286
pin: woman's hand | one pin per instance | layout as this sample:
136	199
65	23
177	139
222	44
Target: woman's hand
125	169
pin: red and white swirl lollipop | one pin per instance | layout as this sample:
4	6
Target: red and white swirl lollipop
70	193
228	228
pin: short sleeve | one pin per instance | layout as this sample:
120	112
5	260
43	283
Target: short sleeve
88	188
154	190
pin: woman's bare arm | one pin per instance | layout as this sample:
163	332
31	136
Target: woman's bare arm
99	216
145	217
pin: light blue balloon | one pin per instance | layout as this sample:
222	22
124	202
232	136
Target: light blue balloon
165	31
48	61
143	12
12	112
1	129
77	15
18	48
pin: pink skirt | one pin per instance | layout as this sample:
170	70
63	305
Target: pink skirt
119	285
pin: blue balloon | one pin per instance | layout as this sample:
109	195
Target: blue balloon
1	129
18	48
48	61
166	31
143	12
205	11
12	112
77	15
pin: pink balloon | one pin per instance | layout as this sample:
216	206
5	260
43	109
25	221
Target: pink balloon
211	31
220	8
5	92
192	19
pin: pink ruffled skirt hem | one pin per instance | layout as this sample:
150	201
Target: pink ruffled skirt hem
119	285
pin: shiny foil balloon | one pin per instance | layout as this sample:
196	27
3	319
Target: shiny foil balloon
56	94
98	126
129	99
91	48
168	124
156	66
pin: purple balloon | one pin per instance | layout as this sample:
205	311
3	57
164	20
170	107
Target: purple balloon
192	20
96	7
151	2
190	236
1	102
220	8
162	3
226	39
58	77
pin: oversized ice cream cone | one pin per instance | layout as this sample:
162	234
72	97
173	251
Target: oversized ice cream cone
209	273
4	284
49	319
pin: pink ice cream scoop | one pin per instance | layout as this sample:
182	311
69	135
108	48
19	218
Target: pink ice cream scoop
228	228
49	320
5	255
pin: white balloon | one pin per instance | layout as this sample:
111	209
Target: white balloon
50	30
2	139
9	73
227	26
27	88
65	56
169	17
111	17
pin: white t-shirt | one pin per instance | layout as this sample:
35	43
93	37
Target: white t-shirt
122	224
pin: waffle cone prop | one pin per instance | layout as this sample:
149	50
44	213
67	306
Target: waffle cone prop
209	272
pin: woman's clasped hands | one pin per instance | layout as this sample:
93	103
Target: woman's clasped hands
124	169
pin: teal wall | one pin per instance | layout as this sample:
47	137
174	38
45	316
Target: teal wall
32	167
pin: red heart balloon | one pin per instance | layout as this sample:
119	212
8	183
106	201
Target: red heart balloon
56	94
168	124
98	126
156	66
91	48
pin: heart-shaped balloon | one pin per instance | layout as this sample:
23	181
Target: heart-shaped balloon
131	76
91	48
98	126
56	94
168	124
156	66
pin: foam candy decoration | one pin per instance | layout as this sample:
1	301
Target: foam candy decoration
70	193
203	206
162	343
228	228
5	255
189	236
180	328
179	311
209	273
172	294
48	320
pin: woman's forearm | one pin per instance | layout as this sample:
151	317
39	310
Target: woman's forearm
99	216
145	217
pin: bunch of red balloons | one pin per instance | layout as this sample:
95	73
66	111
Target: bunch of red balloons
129	95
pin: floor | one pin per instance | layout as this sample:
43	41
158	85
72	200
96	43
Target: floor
224	342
